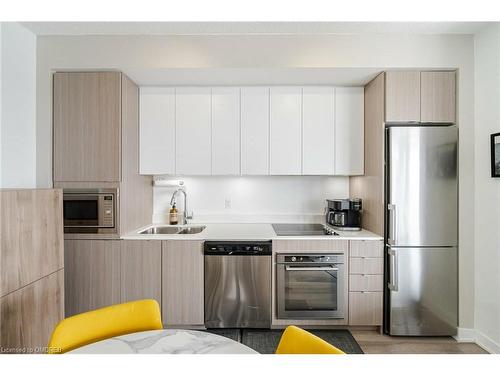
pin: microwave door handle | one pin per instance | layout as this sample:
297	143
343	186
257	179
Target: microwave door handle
329	268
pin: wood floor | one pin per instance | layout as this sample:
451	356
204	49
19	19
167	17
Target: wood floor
373	342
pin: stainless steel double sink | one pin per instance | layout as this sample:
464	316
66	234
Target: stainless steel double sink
161	229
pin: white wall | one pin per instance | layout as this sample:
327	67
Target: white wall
487	190
253	198
272	52
18	107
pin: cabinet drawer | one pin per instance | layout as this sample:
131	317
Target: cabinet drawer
371	266
365	308
373	249
366	283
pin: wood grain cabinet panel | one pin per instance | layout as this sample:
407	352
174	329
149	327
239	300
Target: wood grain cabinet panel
361	266
87	118
438	97
140	270
182	283
366	248
31	239
28	315
365	308
402	96
92	274
366	283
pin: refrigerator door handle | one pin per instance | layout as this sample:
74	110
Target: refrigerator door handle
393	269
391	238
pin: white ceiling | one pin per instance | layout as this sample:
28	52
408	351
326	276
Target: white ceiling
231	28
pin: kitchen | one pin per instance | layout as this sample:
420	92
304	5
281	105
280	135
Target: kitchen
193	118
285	185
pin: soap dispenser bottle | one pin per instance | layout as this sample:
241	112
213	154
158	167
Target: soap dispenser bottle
173	217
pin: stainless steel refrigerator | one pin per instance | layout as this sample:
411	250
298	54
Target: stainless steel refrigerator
421	298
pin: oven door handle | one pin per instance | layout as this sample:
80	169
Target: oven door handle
328	268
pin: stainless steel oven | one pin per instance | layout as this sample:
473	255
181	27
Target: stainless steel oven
310	286
90	210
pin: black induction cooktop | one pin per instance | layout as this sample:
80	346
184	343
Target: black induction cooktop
303	230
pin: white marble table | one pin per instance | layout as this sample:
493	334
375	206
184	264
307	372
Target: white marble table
167	341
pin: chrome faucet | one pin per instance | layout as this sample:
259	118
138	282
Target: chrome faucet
185	215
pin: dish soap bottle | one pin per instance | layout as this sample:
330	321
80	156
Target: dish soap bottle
173	219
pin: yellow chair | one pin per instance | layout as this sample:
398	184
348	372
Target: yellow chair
101	324
298	341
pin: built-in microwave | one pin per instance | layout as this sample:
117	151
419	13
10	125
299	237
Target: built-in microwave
90	210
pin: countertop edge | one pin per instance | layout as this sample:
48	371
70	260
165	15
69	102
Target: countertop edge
269	234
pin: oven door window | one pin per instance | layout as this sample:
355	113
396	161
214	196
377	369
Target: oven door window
81	212
311	290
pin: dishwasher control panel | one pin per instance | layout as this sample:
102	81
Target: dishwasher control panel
238	248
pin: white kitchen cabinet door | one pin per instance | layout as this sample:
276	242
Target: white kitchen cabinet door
349	131
157	130
318	124
193	131
285	131
254	130
225	131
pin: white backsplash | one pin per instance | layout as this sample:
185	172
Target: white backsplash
257	199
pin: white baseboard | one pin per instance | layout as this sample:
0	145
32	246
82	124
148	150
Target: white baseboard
465	335
487	344
479	338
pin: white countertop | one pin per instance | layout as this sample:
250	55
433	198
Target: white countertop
244	232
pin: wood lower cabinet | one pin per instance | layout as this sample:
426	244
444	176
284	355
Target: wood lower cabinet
365	308
29	315
100	273
366	265
140	263
182	283
366	282
92	274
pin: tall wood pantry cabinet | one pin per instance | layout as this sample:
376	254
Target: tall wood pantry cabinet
96	141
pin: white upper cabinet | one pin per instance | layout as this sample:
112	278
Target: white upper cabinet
193	131
254	130
286	131
225	131
157	130
349	131
318	123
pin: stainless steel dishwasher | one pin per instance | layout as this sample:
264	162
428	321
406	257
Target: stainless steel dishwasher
237	284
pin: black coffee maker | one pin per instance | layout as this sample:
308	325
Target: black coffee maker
344	214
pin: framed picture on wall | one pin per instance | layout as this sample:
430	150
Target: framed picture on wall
495	155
